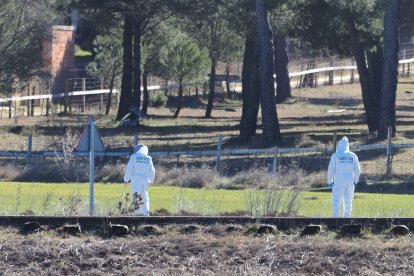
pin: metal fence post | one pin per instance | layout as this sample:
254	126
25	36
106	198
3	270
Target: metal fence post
218	154
389	151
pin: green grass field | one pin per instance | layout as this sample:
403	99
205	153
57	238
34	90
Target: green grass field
72	199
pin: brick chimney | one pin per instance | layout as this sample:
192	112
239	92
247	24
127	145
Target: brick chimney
59	55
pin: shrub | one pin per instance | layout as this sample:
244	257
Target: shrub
158	100
257	178
111	173
272	201
187	177
9	172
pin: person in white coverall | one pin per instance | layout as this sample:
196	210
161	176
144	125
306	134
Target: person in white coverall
343	175
140	171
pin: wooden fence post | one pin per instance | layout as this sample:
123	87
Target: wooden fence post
301	77
32	102
47	107
28	102
29	148
83	97
218	154
389	151
101	102
65	98
275	162
135	141
331	72
83	104
10	109
352	72
403	66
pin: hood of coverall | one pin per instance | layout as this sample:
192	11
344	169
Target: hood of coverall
343	145
141	148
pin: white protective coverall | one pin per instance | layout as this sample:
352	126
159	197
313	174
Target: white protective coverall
140	171
344	172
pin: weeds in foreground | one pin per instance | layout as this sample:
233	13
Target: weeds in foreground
18	198
126	206
47	201
272	202
71	205
71	168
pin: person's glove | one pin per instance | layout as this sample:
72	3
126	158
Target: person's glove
330	185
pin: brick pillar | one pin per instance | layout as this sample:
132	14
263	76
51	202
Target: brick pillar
59	55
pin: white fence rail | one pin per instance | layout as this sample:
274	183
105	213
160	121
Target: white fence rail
168	87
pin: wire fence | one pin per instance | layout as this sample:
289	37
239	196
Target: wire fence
377	160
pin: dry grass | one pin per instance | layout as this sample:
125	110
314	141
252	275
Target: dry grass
256	177
210	251
187	177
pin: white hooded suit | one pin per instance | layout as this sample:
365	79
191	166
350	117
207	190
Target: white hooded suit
344	172
140	171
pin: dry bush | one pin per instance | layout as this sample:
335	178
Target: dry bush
187	177
255	177
10	172
46	171
112	173
55	171
287	177
71	167
258	178
292	176
304	141
272	201
72	204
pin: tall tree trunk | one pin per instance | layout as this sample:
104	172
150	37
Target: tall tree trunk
281	69
111	88
331	73
136	98
390	68
270	123
146	94
228	79
180	98
375	63
250	88
368	97
126	82
211	95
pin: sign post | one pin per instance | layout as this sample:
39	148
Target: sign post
91	166
90	141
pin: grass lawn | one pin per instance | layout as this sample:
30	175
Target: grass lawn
67	199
